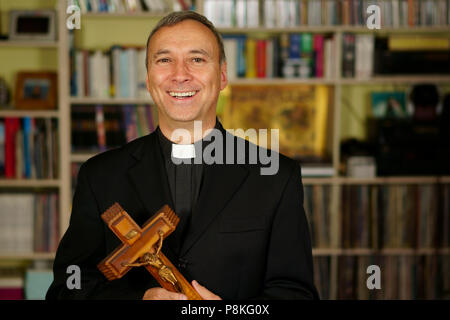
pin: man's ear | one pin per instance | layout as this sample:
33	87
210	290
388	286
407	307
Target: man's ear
223	75
147	83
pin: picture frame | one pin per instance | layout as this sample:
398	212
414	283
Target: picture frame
34	25
36	90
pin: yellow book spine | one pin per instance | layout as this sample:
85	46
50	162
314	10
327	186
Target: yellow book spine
250	58
397	43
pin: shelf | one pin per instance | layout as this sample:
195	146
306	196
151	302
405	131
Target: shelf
334	29
4	113
377	180
27	256
111	100
123	15
396	79
29	183
401	79
28	44
386	251
280	81
393	180
81	157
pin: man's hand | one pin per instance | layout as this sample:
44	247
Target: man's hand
162	294
204	293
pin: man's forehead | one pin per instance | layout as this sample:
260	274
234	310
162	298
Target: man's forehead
168	37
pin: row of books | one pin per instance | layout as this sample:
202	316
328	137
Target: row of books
358	55
28	148
121	6
295	55
395	216
101	127
318	208
117	73
404	277
380	216
30	284
29	222
292	13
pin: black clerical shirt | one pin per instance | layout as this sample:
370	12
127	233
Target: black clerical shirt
185	181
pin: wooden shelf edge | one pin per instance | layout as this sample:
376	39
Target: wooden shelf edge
29	43
386	251
29	113
74	100
81	157
30	183
27	256
125	15
334	29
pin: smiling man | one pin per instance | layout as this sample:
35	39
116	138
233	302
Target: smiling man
242	235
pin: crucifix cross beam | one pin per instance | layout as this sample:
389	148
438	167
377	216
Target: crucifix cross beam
142	247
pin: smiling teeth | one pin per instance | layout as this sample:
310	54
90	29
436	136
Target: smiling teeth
182	94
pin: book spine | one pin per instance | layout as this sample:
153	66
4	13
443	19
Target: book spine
261	58
319	55
100	124
250	58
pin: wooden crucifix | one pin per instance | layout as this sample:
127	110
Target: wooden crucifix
142	247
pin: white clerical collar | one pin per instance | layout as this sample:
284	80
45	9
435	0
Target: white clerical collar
183	151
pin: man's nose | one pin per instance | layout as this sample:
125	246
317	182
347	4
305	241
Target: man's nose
181	73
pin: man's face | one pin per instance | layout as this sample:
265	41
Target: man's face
184	74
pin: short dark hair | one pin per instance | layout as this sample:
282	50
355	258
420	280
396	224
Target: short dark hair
174	18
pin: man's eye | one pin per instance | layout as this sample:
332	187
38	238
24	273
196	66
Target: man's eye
197	60
163	60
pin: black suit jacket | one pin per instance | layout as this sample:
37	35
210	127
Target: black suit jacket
248	236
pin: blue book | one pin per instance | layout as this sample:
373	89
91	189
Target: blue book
294	45
241	64
26	146
37	283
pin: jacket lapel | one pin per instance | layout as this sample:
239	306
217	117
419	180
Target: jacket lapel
220	183
148	176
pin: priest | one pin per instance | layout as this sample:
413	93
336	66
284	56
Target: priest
242	234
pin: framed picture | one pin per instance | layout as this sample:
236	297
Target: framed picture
36	90
39	25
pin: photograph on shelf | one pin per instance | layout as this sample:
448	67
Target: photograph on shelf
36	90
389	104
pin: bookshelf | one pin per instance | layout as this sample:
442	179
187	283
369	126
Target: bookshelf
334	253
110	26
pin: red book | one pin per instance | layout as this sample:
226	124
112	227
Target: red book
261	58
411	13
11	293
11	127
318	49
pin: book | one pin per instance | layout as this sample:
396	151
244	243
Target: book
37	283
348	56
11	288
250	58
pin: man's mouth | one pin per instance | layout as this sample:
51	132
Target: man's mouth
182	94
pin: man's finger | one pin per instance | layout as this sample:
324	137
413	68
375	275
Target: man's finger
176	296
163	294
204	293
